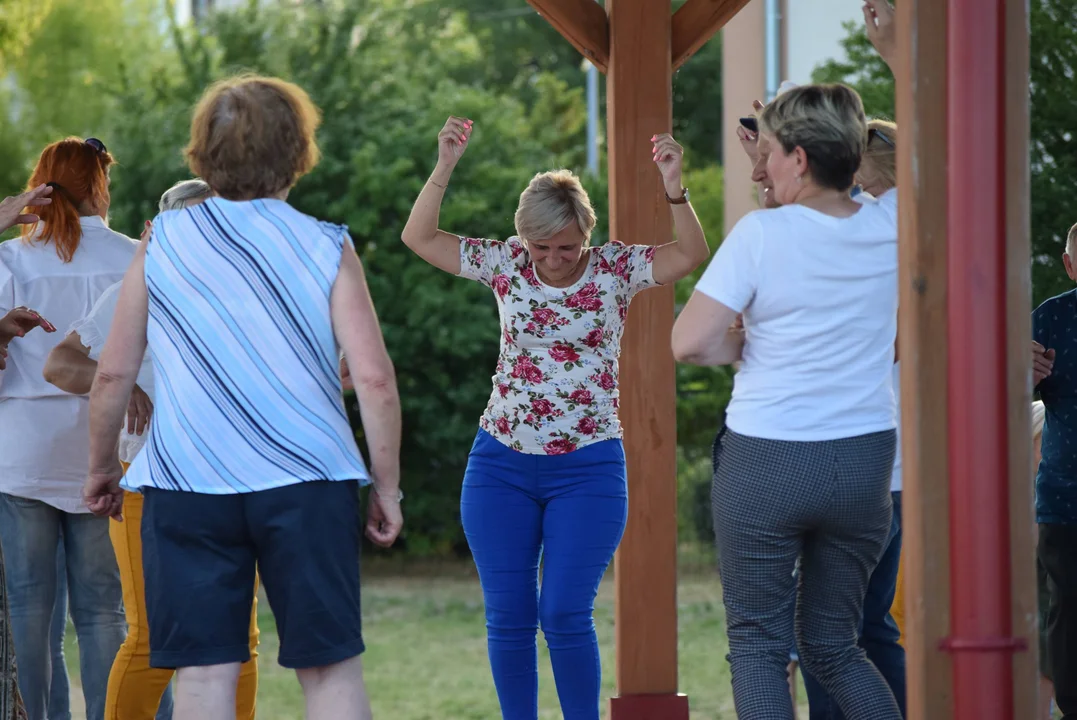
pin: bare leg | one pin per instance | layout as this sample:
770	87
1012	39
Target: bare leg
206	693
335	692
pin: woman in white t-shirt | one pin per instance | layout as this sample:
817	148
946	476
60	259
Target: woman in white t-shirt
59	268
137	691
807	453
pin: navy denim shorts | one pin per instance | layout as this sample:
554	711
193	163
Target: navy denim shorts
199	554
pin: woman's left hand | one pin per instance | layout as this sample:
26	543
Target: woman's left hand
668	156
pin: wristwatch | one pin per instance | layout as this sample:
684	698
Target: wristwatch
678	201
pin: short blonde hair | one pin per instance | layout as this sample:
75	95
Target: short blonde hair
183	192
253	136
551	202
828	122
880	157
1071	241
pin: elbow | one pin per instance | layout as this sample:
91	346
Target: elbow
684	349
378	381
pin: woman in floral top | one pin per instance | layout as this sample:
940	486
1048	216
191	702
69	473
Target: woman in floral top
546	474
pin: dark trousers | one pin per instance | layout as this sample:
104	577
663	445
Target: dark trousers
879	633
1058	555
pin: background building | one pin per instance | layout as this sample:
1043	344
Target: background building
765	43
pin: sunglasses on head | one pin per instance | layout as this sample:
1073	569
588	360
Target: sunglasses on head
873	133
96	145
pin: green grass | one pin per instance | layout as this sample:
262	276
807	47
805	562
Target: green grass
426	649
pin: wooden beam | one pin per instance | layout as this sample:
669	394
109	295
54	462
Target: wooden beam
638	105
1025	609
922	188
583	23
696	22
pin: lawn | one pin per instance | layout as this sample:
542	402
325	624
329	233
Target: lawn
426	649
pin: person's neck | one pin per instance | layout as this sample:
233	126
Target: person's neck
570	280
827	201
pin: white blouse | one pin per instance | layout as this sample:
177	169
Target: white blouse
93	331
44	432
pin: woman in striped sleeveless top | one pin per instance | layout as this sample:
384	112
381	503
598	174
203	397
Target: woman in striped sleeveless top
244	303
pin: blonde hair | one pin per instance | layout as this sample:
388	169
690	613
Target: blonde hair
1071	241
253	136
183	192
828	123
879	165
551	202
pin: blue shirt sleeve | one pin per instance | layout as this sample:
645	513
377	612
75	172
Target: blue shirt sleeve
1041	333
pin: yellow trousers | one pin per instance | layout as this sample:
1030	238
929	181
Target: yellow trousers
135	688
897	610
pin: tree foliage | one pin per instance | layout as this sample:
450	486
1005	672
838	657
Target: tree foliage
386	74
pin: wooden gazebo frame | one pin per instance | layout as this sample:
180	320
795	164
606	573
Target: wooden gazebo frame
964	342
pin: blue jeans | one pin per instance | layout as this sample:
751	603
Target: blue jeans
60	690
31	534
878	632
569	511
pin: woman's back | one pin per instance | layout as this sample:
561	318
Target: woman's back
820	298
248	393
40	420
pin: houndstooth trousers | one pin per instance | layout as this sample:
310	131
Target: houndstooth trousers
828	504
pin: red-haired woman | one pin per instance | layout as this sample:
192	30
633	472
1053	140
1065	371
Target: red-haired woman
58	269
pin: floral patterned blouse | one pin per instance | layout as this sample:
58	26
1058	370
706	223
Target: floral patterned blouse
555	386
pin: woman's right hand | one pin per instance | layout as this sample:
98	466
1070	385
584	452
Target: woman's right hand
19	321
452	141
139	411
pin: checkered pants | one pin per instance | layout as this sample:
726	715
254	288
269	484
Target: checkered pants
828	504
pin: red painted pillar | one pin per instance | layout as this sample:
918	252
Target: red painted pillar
981	631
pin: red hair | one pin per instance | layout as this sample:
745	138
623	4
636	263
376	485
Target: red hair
80	175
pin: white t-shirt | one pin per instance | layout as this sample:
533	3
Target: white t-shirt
93	331
895	479
819	296
44	431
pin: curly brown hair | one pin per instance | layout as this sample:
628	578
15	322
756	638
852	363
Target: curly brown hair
253	136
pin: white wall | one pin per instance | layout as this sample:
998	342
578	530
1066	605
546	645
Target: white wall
813	31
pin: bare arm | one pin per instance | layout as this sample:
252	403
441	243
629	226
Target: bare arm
421	233
882	31
69	366
355	325
705	333
678	259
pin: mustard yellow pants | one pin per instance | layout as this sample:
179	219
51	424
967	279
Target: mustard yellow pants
897	610
135	688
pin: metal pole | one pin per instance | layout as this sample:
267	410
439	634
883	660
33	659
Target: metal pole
773	48
592	119
981	640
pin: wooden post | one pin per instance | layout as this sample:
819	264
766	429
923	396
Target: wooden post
638	105
1025	609
922	188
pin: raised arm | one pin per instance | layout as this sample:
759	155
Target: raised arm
882	31
421	233
677	259
355	325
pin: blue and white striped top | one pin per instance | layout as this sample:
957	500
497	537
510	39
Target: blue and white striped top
246	375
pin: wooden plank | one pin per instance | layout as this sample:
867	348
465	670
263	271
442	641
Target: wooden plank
583	23
696	22
921	115
1024	616
638	105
